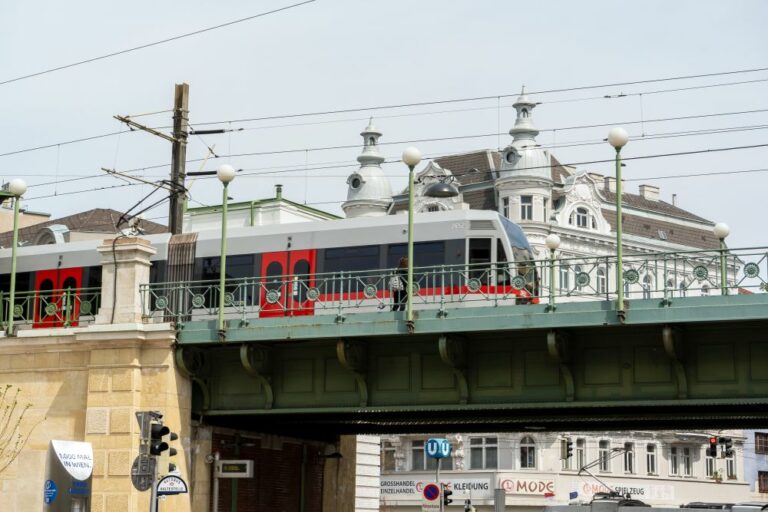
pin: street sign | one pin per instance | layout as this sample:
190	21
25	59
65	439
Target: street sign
142	470
438	448
431	498
170	485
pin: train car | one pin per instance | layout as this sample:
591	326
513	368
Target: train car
290	269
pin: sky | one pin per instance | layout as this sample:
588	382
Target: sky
347	54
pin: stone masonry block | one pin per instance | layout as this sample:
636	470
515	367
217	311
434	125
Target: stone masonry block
99	457
117	502
120	421
119	464
47	360
97	420
97	502
98	381
122	379
22	361
70	359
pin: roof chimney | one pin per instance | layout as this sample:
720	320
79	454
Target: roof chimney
674	199
278	191
649	192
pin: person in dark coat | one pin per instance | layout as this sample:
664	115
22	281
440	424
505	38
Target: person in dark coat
399	286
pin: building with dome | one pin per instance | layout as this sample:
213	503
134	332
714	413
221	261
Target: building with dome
527	184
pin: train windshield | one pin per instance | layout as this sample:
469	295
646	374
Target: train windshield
520	247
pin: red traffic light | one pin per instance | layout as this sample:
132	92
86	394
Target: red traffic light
712	440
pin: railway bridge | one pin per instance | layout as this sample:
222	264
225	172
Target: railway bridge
327	355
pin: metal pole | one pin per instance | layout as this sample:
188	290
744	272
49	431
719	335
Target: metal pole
723	276
216	458
12	295
619	263
409	289
223	265
551	279
439	485
153	497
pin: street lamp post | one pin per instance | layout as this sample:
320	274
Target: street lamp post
552	242
411	158
721	231
618	138
16	189
225	173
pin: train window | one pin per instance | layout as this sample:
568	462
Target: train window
425	254
300	282
479	256
238	265
23	282
348	259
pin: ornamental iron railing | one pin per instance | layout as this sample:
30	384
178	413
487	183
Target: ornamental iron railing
68	307
662	276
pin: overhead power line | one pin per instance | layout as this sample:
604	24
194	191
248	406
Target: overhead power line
155	43
564	144
477	98
458	175
250	128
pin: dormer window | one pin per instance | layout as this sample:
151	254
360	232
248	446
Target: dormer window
581	217
355	181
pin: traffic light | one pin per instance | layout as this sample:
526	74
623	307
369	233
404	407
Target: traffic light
712	450
164	466
157	431
566	448
727	446
446	494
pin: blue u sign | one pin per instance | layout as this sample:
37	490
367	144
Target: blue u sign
438	448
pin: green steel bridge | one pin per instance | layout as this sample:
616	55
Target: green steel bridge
534	346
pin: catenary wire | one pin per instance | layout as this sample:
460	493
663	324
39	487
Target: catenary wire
240	129
574	164
155	43
565	144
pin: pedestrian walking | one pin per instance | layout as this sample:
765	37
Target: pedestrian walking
399	284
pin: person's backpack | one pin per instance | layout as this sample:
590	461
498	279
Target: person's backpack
395	283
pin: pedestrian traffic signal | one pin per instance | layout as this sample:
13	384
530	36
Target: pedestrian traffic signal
728	446
712	450
446	494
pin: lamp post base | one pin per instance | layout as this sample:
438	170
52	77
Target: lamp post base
411	326
222	335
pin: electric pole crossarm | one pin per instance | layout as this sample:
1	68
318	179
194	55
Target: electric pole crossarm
130	122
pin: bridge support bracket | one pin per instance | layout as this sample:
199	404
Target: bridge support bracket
453	353
256	360
352	356
558	348
192	364
672	339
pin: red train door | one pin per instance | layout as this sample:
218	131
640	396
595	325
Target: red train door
287	278
52	304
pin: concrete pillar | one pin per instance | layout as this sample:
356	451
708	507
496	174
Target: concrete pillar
120	298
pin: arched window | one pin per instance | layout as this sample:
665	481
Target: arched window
602	282
604	456
527	453
524	112
371	141
579	218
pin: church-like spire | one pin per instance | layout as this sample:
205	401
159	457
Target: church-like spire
369	192
523	156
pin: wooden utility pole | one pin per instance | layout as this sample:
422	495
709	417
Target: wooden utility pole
179	157
178	154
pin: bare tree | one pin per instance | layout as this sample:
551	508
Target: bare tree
12	437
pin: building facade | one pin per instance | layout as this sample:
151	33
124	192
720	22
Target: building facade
658	468
528	185
756	462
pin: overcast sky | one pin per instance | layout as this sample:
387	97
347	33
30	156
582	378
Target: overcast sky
342	54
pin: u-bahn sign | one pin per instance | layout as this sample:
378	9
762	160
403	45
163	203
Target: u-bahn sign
438	448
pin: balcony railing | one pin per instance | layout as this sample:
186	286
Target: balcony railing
662	276
51	308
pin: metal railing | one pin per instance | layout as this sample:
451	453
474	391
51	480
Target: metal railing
662	276
68	307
